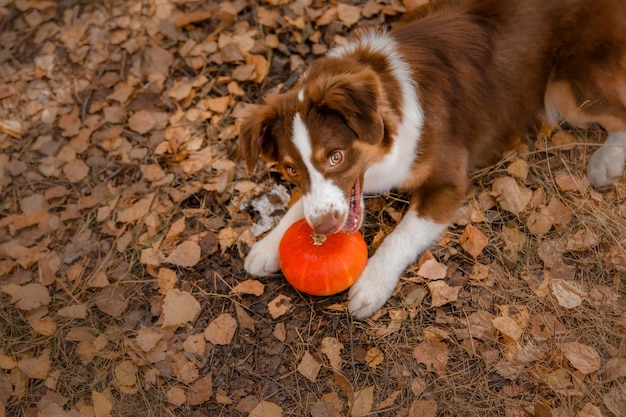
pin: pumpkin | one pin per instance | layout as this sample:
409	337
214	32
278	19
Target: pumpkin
321	264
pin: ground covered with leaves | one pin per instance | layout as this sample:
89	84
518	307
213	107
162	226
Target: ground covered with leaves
125	216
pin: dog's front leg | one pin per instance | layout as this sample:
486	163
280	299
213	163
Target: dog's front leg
412	236
263	256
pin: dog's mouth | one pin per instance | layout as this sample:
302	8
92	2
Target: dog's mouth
355	212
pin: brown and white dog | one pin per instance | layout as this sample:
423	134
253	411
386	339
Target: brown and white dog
419	107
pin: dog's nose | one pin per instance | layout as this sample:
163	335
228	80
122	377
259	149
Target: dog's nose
327	225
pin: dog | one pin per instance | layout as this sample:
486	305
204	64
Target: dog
421	106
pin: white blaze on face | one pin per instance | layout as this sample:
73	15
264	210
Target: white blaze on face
323	197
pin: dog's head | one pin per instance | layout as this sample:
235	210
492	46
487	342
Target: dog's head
323	134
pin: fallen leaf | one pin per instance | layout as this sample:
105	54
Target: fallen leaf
186	255
546	325
38	367
539	223
348	14
111	301
166	279
614	368
249	286
76	170
507	327
31	296
441	293
176	396
76	311
511	196
200	391
433	354
279	306
102	404
221	330
125	373
432	269
309	367
363	401
179	308
266	409
423	408
473	241
582	357
374	357
331	347
567	293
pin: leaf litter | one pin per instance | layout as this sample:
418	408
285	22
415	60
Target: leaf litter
125	216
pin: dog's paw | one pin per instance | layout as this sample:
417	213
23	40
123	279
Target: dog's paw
606	165
372	290
262	260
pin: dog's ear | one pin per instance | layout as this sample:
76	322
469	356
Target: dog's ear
255	139
356	97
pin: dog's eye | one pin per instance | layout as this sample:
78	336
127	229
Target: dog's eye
335	158
291	171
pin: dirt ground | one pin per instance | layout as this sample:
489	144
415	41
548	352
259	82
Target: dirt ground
125	217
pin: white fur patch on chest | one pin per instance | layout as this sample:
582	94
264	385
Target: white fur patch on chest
395	168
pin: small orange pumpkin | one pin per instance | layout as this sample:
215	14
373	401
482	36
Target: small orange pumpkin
321	264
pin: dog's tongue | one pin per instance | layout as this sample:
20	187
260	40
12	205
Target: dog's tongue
353	222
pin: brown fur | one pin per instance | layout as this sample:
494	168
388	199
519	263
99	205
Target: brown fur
483	68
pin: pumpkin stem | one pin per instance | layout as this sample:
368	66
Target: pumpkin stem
318	239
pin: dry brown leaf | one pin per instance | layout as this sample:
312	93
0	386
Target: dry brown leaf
176	396
614	368
363	402
142	121
221	330
519	169
508	327
244	319
374	357
76	311
510	195
147	338
200	391
433	354
249	286
615	400
279	306
546	326
473	241
331	347
423	408
432	269
179	308
7	362
266	409
567	293
76	170
137	211
309	367
38	367
111	301
348	14
125	373
166	279
539	223
195	344
582	357
30	296
390	400
583	239
441	293
102	404
186	255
